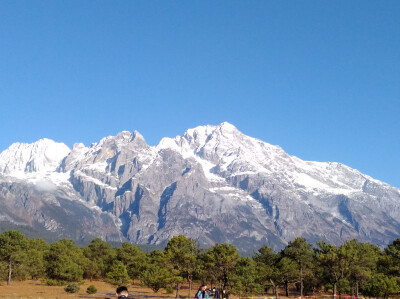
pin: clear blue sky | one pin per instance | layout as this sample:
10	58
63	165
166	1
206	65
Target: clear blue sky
319	78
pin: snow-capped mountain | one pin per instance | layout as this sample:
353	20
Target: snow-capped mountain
214	184
41	156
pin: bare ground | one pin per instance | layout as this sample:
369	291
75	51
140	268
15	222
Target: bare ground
39	290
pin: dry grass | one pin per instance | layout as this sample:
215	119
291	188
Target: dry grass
38	289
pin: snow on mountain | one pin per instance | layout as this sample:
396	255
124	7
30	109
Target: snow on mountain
226	152
41	156
100	155
225	148
214	184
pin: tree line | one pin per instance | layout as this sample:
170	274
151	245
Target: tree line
352	268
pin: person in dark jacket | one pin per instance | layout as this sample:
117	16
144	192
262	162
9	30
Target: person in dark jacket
122	292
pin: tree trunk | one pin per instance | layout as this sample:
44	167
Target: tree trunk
287	288
178	286
357	288
301	282
273	287
9	273
334	290
190	288
225	280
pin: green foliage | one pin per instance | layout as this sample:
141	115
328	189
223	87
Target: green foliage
64	261
154	277
390	262
331	264
220	261
3	271
380	286
54	282
268	274
91	289
243	280
133	257
72	288
181	254
13	246
341	269
35	266
299	251
118	274
170	290
343	285
286	271
274	270
100	257
359	261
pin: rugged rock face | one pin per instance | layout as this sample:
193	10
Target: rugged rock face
53	214
213	184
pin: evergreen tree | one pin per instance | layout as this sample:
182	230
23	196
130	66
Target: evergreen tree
267	266
12	250
118	274
243	280
154	277
300	252
181	253
380	286
35	266
101	257
286	272
221	260
361	261
389	263
331	262
133	257
65	261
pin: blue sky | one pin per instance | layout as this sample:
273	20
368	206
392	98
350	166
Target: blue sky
319	78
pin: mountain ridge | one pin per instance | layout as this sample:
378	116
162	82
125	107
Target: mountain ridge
215	184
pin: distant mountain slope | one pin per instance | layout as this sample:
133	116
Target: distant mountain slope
214	184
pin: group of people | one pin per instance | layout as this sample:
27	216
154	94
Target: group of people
202	293
214	293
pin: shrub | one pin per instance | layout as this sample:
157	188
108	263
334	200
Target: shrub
54	282
72	288
91	289
170	290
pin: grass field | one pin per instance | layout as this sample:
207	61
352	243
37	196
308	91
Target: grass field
37	289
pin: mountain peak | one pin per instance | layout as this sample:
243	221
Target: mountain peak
200	135
226	126
138	138
122	139
214	183
42	155
124	135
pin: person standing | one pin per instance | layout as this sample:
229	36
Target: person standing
202	293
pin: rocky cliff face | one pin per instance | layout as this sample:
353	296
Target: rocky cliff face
213	184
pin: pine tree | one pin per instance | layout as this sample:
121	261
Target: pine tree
12	250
